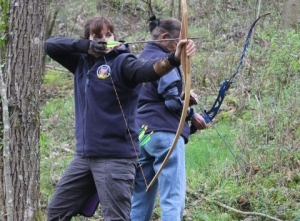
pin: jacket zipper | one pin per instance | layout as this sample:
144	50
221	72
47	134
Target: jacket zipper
85	109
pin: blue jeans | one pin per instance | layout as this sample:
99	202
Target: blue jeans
171	183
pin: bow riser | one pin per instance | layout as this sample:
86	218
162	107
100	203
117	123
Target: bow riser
210	115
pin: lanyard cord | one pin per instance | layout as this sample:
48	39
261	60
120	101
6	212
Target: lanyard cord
127	127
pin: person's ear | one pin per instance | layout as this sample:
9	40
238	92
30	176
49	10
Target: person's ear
165	36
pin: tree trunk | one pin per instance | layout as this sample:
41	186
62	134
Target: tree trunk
290	14
20	81
1	159
172	8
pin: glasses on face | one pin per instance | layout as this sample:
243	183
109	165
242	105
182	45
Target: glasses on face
176	40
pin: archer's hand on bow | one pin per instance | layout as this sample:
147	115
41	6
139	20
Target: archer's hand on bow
190	48
97	48
198	122
193	97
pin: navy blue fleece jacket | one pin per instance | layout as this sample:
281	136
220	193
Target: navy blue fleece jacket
100	128
159	104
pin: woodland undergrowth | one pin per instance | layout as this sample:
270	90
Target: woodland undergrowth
246	165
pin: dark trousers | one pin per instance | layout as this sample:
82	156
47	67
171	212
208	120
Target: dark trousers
113	179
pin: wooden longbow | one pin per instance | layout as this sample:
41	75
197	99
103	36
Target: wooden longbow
185	62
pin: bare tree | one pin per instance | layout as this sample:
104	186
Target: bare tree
150	10
20	81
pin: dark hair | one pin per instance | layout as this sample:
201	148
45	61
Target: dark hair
159	26
95	25
86	29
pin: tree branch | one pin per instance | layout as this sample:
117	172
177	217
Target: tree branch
239	211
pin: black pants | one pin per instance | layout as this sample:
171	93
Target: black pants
113	179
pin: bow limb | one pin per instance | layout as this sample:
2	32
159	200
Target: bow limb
185	61
209	115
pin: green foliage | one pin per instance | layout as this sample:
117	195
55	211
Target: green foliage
4	5
270	139
56	142
282	58
53	77
259	118
277	91
56	139
267	133
209	163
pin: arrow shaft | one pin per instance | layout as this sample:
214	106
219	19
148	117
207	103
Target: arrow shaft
159	40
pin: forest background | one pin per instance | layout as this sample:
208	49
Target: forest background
246	165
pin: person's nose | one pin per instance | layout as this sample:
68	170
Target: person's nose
103	39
